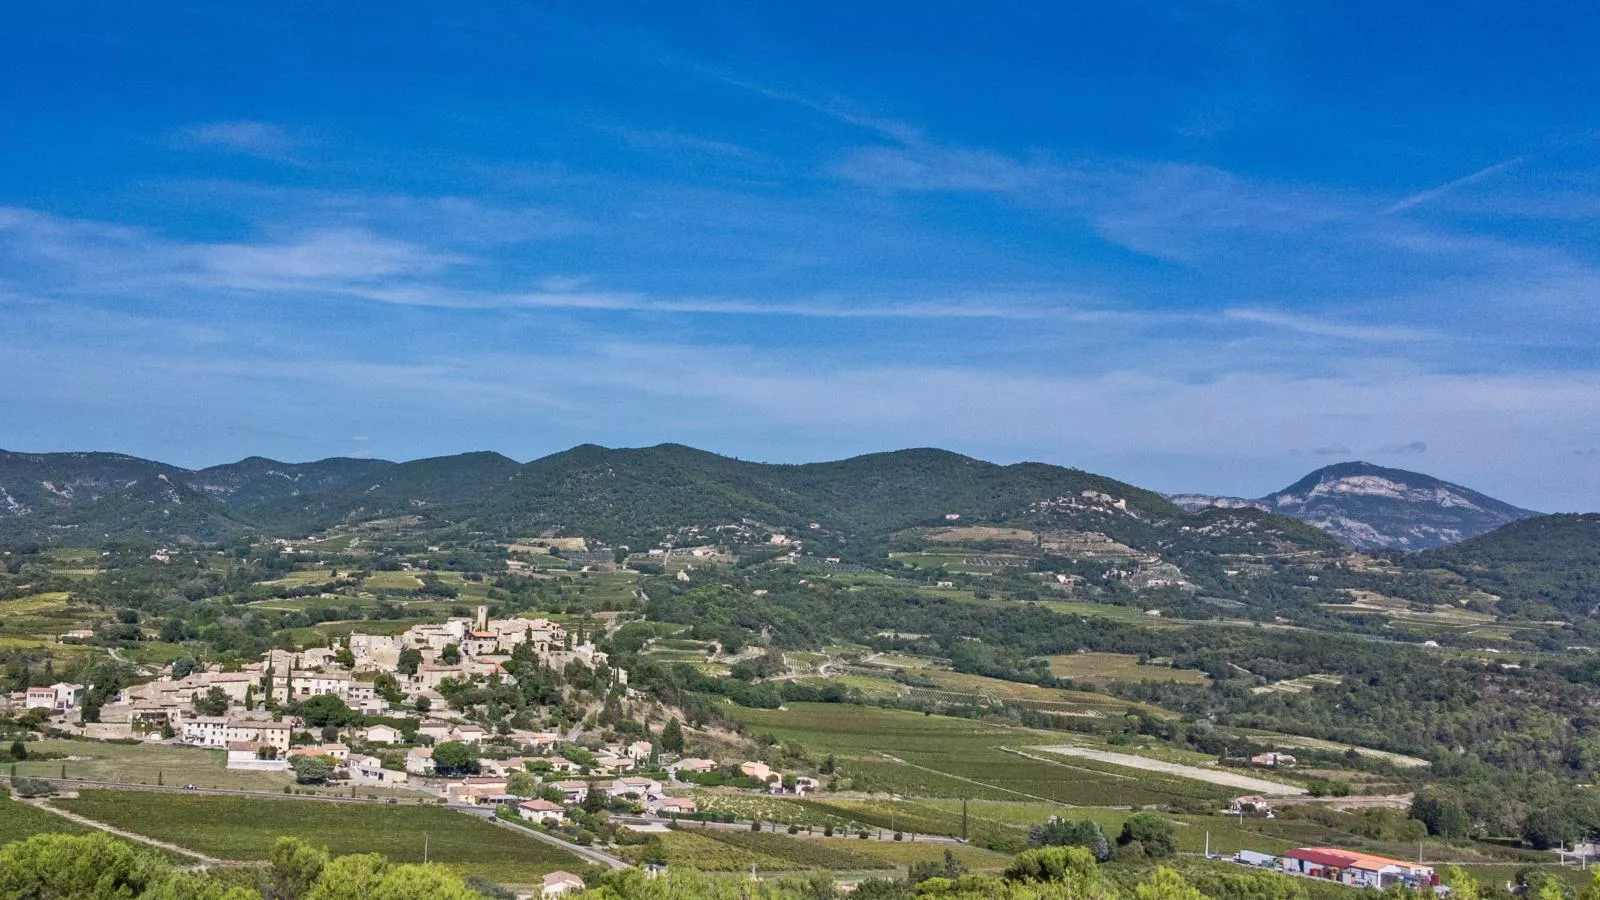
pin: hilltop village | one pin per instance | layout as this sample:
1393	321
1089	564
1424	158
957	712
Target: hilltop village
374	710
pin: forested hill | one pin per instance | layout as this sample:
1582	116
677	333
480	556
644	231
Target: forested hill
1542	567
613	495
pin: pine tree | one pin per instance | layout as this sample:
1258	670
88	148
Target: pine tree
672	737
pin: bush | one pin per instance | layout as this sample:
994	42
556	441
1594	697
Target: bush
1152	833
32	787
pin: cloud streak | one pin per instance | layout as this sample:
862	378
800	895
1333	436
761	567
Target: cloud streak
265	140
1434	193
1324	328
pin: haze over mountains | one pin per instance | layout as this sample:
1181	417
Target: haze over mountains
619	495
1370	507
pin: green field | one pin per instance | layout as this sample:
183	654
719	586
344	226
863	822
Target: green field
1101	610
391	581
746	806
950	562
794	853
909	853
940	756
144	763
694	849
1104	668
301	578
243	828
18	820
35	621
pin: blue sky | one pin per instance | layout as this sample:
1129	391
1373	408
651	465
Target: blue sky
1202	246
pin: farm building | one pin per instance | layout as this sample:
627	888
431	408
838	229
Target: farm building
1356	869
558	883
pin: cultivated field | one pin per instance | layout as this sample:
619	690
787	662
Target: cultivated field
940	756
905	853
244	828
18	820
1104	668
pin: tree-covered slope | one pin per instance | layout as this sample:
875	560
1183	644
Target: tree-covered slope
89	497
634	494
257	480
442	488
1533	565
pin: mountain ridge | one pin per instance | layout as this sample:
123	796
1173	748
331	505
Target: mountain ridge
1368	507
626	494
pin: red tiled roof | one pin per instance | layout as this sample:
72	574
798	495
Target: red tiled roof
1323	856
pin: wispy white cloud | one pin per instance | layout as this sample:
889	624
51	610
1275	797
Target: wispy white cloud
839	109
1409	448
247	136
654	139
337	255
1422	197
950	169
1325	328
358	263
1326	450
1005	406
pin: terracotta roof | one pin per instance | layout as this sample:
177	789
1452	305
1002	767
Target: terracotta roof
1348	859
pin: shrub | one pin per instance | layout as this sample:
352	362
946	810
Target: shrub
32	787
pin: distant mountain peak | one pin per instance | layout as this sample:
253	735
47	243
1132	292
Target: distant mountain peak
1368	506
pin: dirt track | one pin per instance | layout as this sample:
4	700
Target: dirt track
1214	776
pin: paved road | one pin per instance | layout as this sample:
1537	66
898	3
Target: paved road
598	857
87	784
